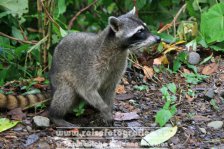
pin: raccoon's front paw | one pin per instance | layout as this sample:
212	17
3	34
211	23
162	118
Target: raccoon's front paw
108	116
108	119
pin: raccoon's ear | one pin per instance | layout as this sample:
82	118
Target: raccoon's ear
114	23
132	12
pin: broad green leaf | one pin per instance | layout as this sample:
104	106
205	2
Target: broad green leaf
217	48
163	116
16	7
172	87
212	24
159	136
164	91
176	65
6	124
17	33
61	7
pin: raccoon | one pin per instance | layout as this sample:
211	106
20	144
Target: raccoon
89	66
15	101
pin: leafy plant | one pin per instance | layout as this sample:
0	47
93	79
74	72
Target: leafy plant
212	24
80	109
141	87
168	93
194	78
182	58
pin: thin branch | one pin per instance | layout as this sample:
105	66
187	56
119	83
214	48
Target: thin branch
16	39
49	16
78	13
169	25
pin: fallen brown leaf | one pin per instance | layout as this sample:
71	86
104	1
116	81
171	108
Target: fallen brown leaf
186	71
125	116
17	114
209	69
161	60
148	72
120	89
124	96
39	79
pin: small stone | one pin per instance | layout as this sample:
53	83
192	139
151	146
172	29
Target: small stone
153	124
43	145
41	121
168	125
215	124
28	128
209	93
193	58
203	130
31	139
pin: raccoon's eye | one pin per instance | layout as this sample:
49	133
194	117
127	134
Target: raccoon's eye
140	30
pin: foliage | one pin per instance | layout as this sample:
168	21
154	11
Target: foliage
212	24
6	124
80	109
194	78
169	95
159	136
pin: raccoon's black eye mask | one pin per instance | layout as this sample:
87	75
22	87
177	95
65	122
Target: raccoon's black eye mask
139	36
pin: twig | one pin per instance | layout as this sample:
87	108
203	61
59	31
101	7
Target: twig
16	39
49	16
33	105
169	25
78	13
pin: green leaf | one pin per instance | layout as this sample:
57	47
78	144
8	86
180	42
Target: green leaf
192	45
6	124
194	68
176	65
182	57
217	48
63	32
141	88
35	91
17	33
164	91
173	109
206	59
16	7
194	78
159	136
172	87
212	24
163	116
61	7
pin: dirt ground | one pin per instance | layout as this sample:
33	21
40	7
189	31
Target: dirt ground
192	117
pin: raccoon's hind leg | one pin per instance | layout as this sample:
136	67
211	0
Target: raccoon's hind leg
63	100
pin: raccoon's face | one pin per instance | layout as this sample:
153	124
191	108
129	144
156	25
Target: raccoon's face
131	31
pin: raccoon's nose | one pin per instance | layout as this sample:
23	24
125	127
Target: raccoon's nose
158	39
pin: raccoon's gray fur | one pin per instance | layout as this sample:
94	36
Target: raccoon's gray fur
89	66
